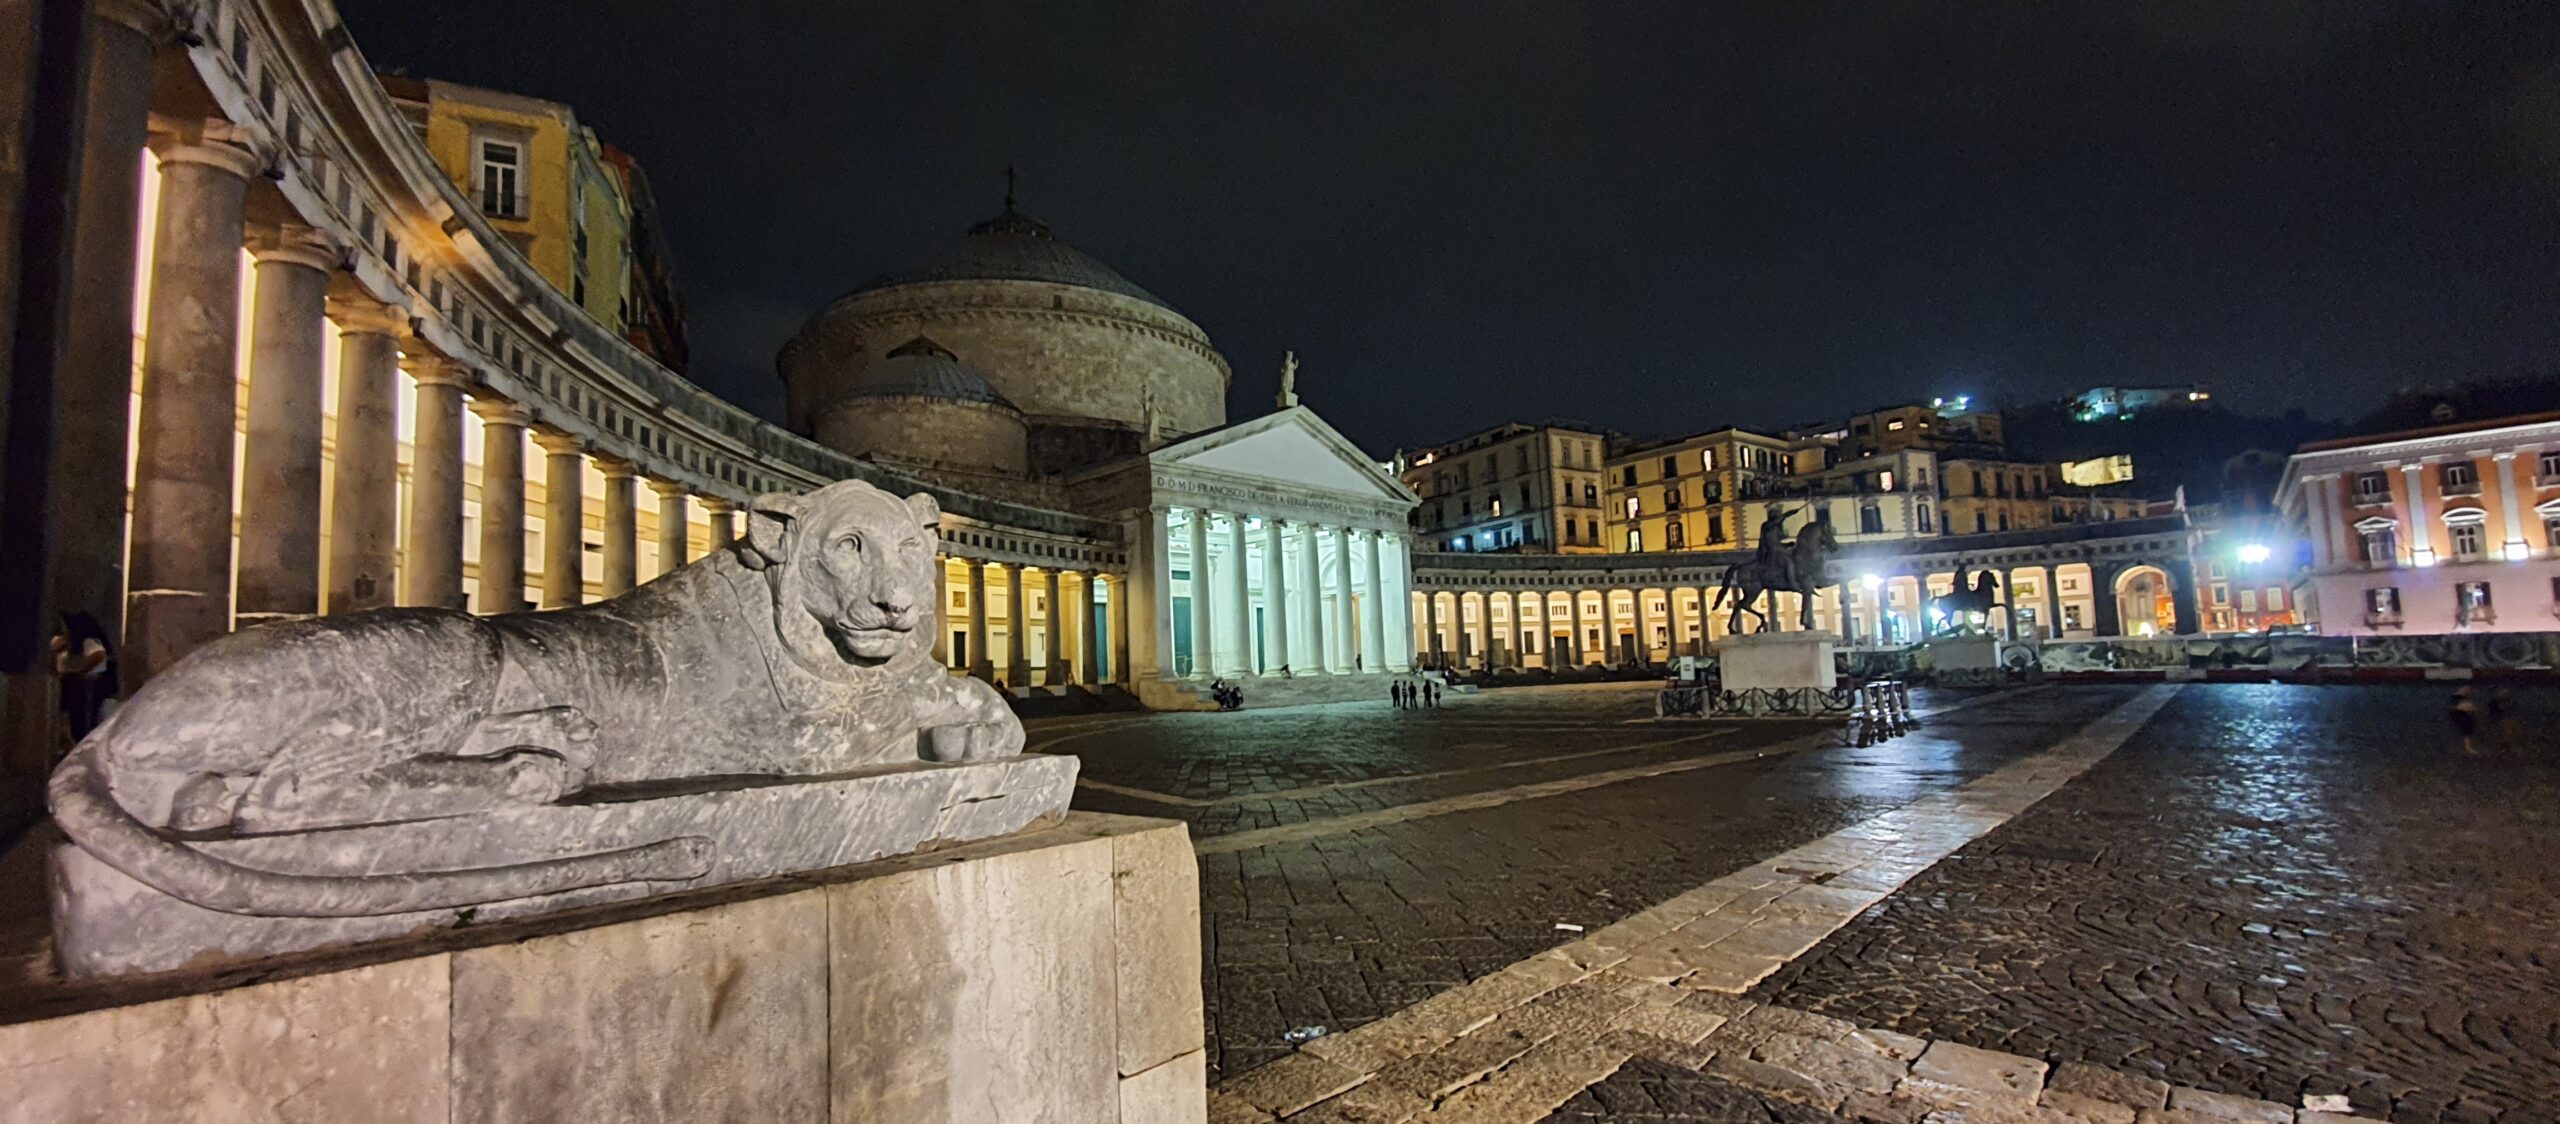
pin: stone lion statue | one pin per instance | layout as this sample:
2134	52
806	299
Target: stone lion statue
803	650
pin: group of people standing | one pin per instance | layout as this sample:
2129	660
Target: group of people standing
1411	693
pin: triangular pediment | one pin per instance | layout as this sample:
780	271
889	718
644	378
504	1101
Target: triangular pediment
1291	447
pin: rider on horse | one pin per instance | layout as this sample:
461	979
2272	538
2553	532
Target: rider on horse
1776	560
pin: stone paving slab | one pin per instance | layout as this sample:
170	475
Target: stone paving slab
2273	892
1522	1043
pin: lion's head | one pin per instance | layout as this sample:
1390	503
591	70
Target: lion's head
852	571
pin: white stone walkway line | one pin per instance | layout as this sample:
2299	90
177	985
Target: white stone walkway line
1376	782
1495	798
1665	983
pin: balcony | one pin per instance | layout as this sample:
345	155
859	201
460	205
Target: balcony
2469	487
2370	499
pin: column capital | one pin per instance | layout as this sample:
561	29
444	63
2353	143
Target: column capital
674	488
204	148
499	411
295	244
364	314
716	505
613	467
427	368
557	443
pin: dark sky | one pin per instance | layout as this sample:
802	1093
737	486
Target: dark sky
1656	217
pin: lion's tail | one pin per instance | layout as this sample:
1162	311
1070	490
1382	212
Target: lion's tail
93	818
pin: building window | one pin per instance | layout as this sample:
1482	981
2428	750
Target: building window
1627	476
1590	494
1671	465
2550	513
1981	522
502	179
1674	537
2004	520
2382	605
2381	540
2373	487
1870	519
1924	520
1706	460
1635	541
2071	618
1885	478
1671	498
2471	604
1497	507
2275	599
1591	530
1715	528
1568	533
1894	426
2548	468
1633	506
2459	478
2467	537
2221	594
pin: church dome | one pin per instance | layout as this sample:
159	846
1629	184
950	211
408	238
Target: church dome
921	368
1014	247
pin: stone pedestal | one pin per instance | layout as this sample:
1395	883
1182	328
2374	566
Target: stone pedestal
1964	653
1784	661
1051	975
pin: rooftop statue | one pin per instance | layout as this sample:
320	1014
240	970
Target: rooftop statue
405	760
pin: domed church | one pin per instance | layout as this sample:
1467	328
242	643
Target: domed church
1016	368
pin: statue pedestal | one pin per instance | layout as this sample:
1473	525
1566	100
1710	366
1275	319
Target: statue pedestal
1964	661
1781	661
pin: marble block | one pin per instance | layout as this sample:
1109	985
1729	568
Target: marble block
1964	653
756	831
1786	661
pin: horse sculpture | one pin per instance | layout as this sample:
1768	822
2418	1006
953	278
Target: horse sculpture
1947	612
1796	567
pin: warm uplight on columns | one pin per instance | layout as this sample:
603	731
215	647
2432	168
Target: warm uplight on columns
502	441
431	574
280	454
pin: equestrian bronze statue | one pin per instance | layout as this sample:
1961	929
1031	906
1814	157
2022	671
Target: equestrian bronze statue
1948	612
1796	566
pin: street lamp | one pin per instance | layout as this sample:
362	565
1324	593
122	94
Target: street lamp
2252	554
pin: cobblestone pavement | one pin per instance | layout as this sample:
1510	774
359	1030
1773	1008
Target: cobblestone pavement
2272	891
1647	1090
1341	928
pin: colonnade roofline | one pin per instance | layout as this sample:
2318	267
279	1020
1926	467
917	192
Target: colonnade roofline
2150	539
296	93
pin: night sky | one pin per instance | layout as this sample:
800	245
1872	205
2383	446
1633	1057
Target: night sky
1658	218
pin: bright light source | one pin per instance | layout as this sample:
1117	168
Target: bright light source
2255	553
1871	581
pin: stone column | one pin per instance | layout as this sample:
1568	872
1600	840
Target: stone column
982	663
364	494
180	595
93	400
621	525
1375	640
1088	645
280	460
1054	638
1017	641
675	530
1439	637
1202	648
2505	465
1342	602
2421	536
1680	617
1153	559
724	529
1275	591
431	561
1239	593
1120	633
1312	567
1578	628
2105	615
564	520
502	426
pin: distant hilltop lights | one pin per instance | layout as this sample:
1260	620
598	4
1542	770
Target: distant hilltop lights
2124	403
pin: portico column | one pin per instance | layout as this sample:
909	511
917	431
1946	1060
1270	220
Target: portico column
502	426
2505	464
621	526
2422	549
1311	537
1342	605
1439	641
280	459
431	570
364	493
674	528
1088	645
92	406
1201	647
1054	638
1275	591
1375	640
982	663
180	592
1239	592
1121	672
1017	640
1153	558
564	520
724	530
